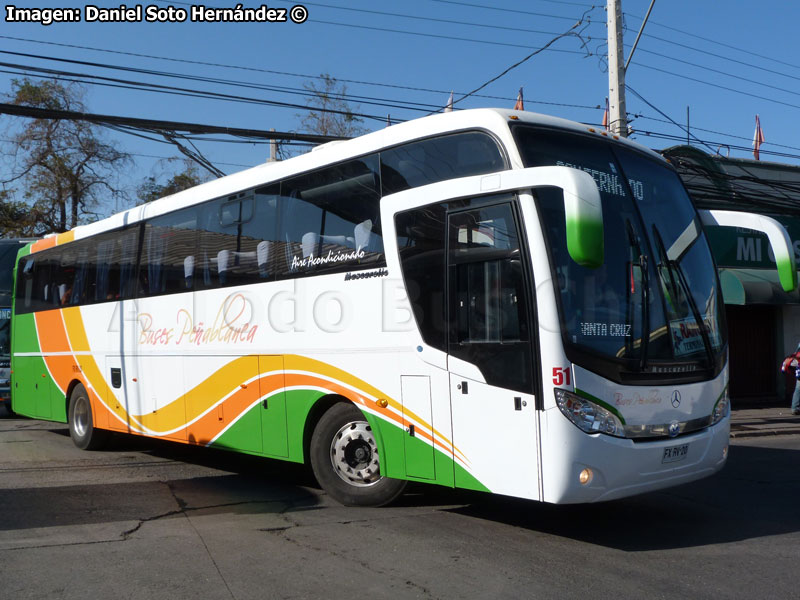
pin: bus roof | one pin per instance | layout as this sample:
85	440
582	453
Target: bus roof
494	120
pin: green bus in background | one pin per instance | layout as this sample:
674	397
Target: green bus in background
8	258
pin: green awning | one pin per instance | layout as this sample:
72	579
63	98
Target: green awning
754	286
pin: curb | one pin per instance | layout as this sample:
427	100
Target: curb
746	433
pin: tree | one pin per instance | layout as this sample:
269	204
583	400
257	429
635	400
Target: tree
16	218
151	189
63	165
330	113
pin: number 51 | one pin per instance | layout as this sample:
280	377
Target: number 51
561	376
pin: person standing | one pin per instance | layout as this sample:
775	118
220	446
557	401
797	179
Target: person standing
792	362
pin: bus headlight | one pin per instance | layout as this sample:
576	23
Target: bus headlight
588	416
722	408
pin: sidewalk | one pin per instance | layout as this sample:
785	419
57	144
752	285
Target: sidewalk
753	422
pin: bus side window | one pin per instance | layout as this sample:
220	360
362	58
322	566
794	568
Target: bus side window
421	244
168	241
25	284
124	271
115	253
439	158
64	275
262	232
104	255
330	219
234	240
84	281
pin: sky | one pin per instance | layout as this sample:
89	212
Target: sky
725	62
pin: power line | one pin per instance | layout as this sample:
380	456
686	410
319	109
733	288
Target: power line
722	57
429	19
444	37
711	41
140	86
570	32
722	87
167	129
509	10
712	70
731	135
294	90
285	73
665	115
369	99
710	143
158	125
247	84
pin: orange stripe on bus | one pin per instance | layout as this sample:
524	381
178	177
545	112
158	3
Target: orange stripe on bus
60	329
53	240
209	427
43	244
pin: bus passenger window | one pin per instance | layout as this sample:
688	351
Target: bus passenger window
235	237
436	159
330	219
168	241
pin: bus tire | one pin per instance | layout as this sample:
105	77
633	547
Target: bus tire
345	461
81	423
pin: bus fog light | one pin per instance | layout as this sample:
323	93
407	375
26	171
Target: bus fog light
587	415
586	476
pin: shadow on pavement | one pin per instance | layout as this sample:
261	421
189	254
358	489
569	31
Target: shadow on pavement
756	495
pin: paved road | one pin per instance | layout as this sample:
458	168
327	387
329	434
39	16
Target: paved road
153	520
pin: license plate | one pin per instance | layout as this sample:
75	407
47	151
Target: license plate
675	453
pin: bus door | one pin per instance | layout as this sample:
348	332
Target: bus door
164	302
155	390
121	368
490	357
465	263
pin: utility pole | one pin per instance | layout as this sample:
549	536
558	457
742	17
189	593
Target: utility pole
617	117
273	149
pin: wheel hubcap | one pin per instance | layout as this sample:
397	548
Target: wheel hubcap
80	416
354	455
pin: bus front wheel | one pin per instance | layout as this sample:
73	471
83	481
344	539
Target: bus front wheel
81	423
345	460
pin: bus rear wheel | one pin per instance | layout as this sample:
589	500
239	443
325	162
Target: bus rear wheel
345	460
81	423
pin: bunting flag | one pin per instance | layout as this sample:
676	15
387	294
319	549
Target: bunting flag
520	105
449	106
758	139
605	116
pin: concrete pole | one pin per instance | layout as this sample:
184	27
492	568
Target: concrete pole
273	149
617	116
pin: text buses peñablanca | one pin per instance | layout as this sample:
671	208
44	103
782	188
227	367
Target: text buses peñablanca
484	299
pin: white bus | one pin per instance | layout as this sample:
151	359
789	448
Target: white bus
484	299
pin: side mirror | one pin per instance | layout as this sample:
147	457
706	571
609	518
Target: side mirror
782	246
583	211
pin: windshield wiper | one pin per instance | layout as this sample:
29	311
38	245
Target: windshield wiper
673	268
645	339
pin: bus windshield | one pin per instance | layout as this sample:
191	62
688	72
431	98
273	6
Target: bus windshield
654	305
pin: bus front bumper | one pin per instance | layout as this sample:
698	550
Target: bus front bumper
597	467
